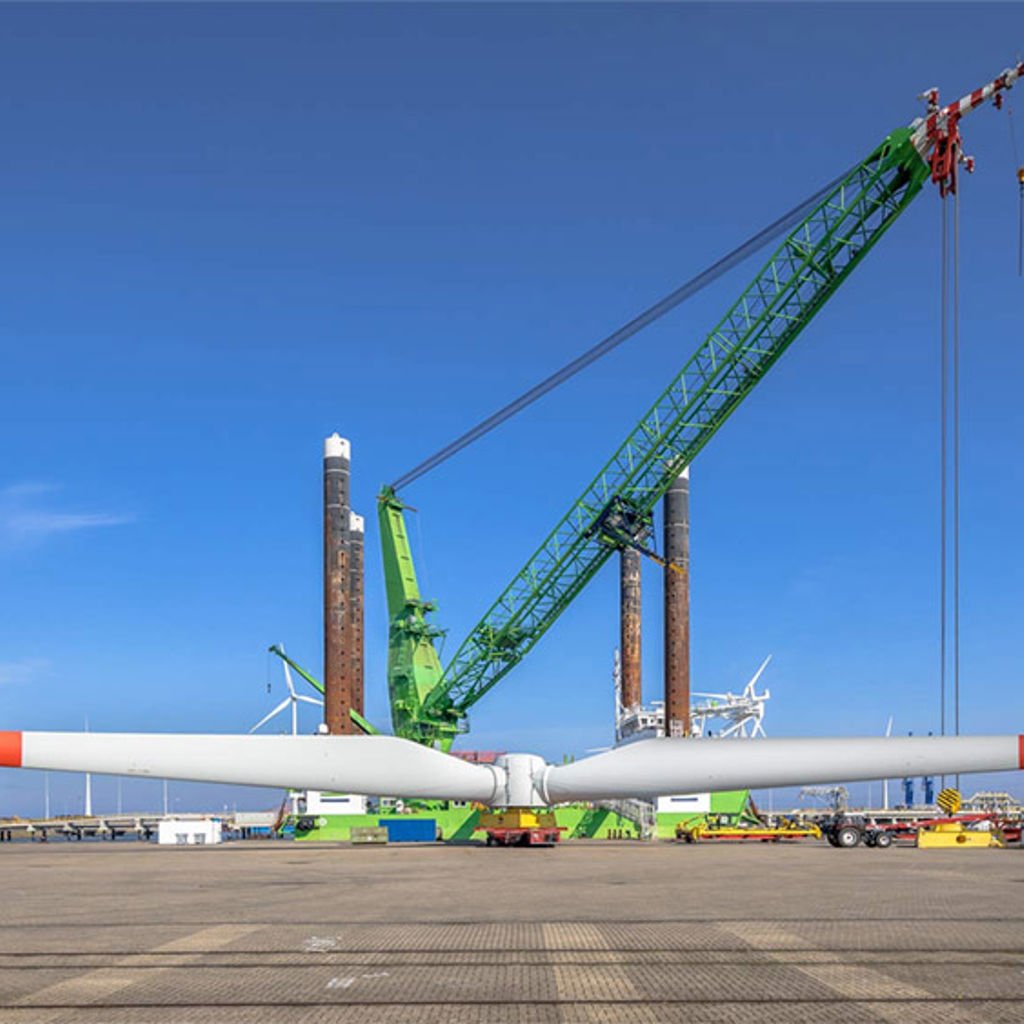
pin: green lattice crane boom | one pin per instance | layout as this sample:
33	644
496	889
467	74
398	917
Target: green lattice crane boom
617	506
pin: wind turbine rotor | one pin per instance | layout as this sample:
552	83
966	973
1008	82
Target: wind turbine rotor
293	698
389	766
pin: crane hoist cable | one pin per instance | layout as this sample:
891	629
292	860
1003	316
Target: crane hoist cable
955	433
944	462
949	485
1020	190
1020	222
707	276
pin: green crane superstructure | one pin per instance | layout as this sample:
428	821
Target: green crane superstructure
414	667
616	508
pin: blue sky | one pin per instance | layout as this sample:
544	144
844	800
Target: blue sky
231	230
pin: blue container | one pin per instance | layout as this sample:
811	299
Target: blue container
410	830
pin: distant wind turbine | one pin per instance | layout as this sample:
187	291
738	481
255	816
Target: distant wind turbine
293	698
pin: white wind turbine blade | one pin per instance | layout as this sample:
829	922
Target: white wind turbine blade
372	765
309	700
650	768
757	675
263	721
288	677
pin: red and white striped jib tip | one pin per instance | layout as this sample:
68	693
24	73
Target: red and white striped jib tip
928	127
979	96
10	749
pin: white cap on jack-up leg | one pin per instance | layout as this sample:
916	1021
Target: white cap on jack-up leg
336	447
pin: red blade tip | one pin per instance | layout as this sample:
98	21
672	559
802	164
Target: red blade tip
10	749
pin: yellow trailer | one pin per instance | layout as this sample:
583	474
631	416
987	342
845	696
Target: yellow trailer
954	835
785	829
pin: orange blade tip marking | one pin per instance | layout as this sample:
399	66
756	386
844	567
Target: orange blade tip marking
10	749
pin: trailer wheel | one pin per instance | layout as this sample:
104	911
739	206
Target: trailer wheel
869	838
847	837
883	840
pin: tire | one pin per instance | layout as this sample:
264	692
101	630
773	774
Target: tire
883	840
847	837
831	837
869	838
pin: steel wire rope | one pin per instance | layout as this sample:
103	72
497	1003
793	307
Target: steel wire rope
1020	189
949	575
616	338
944	462
956	466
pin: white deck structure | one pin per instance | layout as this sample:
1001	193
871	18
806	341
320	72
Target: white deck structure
721	715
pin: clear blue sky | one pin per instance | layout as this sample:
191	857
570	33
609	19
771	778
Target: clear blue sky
230	230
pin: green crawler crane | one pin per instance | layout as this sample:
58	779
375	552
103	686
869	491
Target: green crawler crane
429	704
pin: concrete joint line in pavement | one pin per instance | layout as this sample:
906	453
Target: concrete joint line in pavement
97	985
851	981
594	982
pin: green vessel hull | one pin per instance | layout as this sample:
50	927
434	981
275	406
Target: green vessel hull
458	824
732	803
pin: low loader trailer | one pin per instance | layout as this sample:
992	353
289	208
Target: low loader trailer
705	830
520	826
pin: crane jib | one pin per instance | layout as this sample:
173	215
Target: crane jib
800	276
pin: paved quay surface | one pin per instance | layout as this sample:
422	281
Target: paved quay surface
616	932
